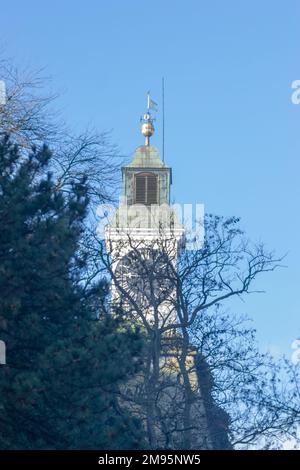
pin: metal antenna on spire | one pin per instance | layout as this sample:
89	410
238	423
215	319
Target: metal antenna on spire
163	118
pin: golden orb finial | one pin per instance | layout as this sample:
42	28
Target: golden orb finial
147	128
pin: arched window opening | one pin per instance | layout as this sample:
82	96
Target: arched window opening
146	189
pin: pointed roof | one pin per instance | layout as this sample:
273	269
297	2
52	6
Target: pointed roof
146	156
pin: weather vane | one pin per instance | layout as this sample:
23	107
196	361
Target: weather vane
147	120
151	104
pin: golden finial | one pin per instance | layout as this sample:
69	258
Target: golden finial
147	128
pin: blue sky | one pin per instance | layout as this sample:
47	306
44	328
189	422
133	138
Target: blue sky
232	132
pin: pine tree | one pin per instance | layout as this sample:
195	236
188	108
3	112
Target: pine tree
59	387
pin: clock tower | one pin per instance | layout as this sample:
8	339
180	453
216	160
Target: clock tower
145	236
143	241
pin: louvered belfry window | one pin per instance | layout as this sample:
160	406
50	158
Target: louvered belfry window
146	191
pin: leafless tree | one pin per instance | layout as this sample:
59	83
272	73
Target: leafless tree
259	394
30	117
204	376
